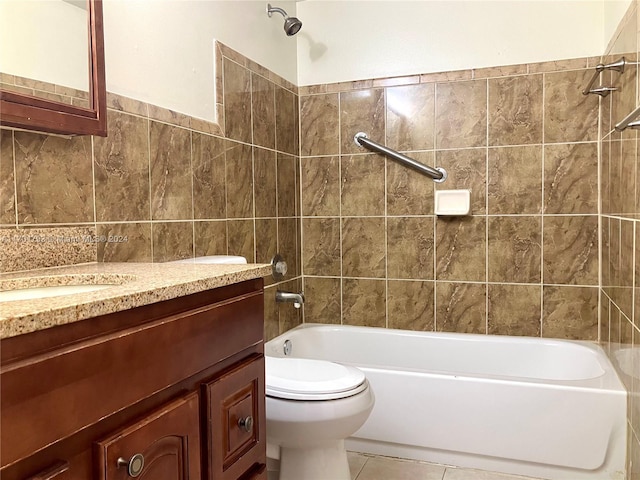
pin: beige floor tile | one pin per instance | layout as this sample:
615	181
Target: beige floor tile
468	474
356	462
383	468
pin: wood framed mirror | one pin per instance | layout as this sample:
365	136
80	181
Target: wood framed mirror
25	110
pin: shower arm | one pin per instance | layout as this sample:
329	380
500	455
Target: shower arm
628	121
271	9
438	174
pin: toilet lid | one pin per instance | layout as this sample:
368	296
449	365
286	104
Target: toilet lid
306	379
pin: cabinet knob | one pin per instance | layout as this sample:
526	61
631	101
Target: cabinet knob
246	423
134	465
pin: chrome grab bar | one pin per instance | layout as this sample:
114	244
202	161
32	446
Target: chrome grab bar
617	66
627	122
438	174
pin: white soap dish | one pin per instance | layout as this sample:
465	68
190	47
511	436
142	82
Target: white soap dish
453	202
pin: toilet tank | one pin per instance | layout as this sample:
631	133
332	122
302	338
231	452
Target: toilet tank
217	259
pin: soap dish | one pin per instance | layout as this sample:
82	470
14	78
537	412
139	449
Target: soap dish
453	202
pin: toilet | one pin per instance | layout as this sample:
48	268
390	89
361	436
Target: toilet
312	406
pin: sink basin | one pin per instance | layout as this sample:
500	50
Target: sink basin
32	288
52	291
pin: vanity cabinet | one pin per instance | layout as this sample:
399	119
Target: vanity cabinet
171	390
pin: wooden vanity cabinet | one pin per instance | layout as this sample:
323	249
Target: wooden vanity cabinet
172	390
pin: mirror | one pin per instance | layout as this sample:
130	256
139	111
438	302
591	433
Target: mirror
56	91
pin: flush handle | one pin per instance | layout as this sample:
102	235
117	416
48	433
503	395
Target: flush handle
246	424
134	465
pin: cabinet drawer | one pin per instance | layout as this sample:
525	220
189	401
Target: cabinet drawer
236	421
165	445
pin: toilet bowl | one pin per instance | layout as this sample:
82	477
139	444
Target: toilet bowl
312	406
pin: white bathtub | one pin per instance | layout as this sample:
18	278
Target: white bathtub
544	408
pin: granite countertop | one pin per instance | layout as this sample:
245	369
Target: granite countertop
137	284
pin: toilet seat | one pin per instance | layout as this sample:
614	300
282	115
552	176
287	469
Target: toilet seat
307	379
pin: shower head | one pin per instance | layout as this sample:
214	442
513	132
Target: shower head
292	25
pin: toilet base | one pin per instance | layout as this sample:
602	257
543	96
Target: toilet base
320	463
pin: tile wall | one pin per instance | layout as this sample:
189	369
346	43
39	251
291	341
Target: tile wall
620	230
171	185
522	138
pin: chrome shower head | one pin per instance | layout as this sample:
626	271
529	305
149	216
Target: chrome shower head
292	25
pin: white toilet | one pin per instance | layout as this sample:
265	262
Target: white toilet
312	406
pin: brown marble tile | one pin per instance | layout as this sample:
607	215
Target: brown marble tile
461	307
395	81
614	256
289	244
411	305
128	105
350	86
615	176
627	187
361	111
514	310
515	245
515	110
625	292
237	101
570	250
453	76
121	169
126	242
266	239
408	192
271	317
210	238
264	164
172	241
287	176
364	302
605	182
209	189
570	312
313	89
461	114
362	185
502	71
171	194
606	252
322	300
569	116
461	249
263	111
558	65
363	247
604	321
466	169
239	180
319	120
54	178
570	178
240	239
286	121
515	180
7	179
410	117
320	186
321	248
410	247
165	115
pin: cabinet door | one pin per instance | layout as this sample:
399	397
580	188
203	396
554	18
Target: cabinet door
165	445
236	422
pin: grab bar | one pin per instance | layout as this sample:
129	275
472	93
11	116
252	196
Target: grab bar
627	122
618	66
438	174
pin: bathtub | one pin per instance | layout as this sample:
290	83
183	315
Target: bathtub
544	408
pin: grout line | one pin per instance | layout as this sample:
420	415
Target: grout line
542	209
151	219
340	208
386	219
193	208
486	220
15	180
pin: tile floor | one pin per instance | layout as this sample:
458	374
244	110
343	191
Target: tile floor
372	467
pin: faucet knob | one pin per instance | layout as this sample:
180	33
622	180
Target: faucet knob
278	267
